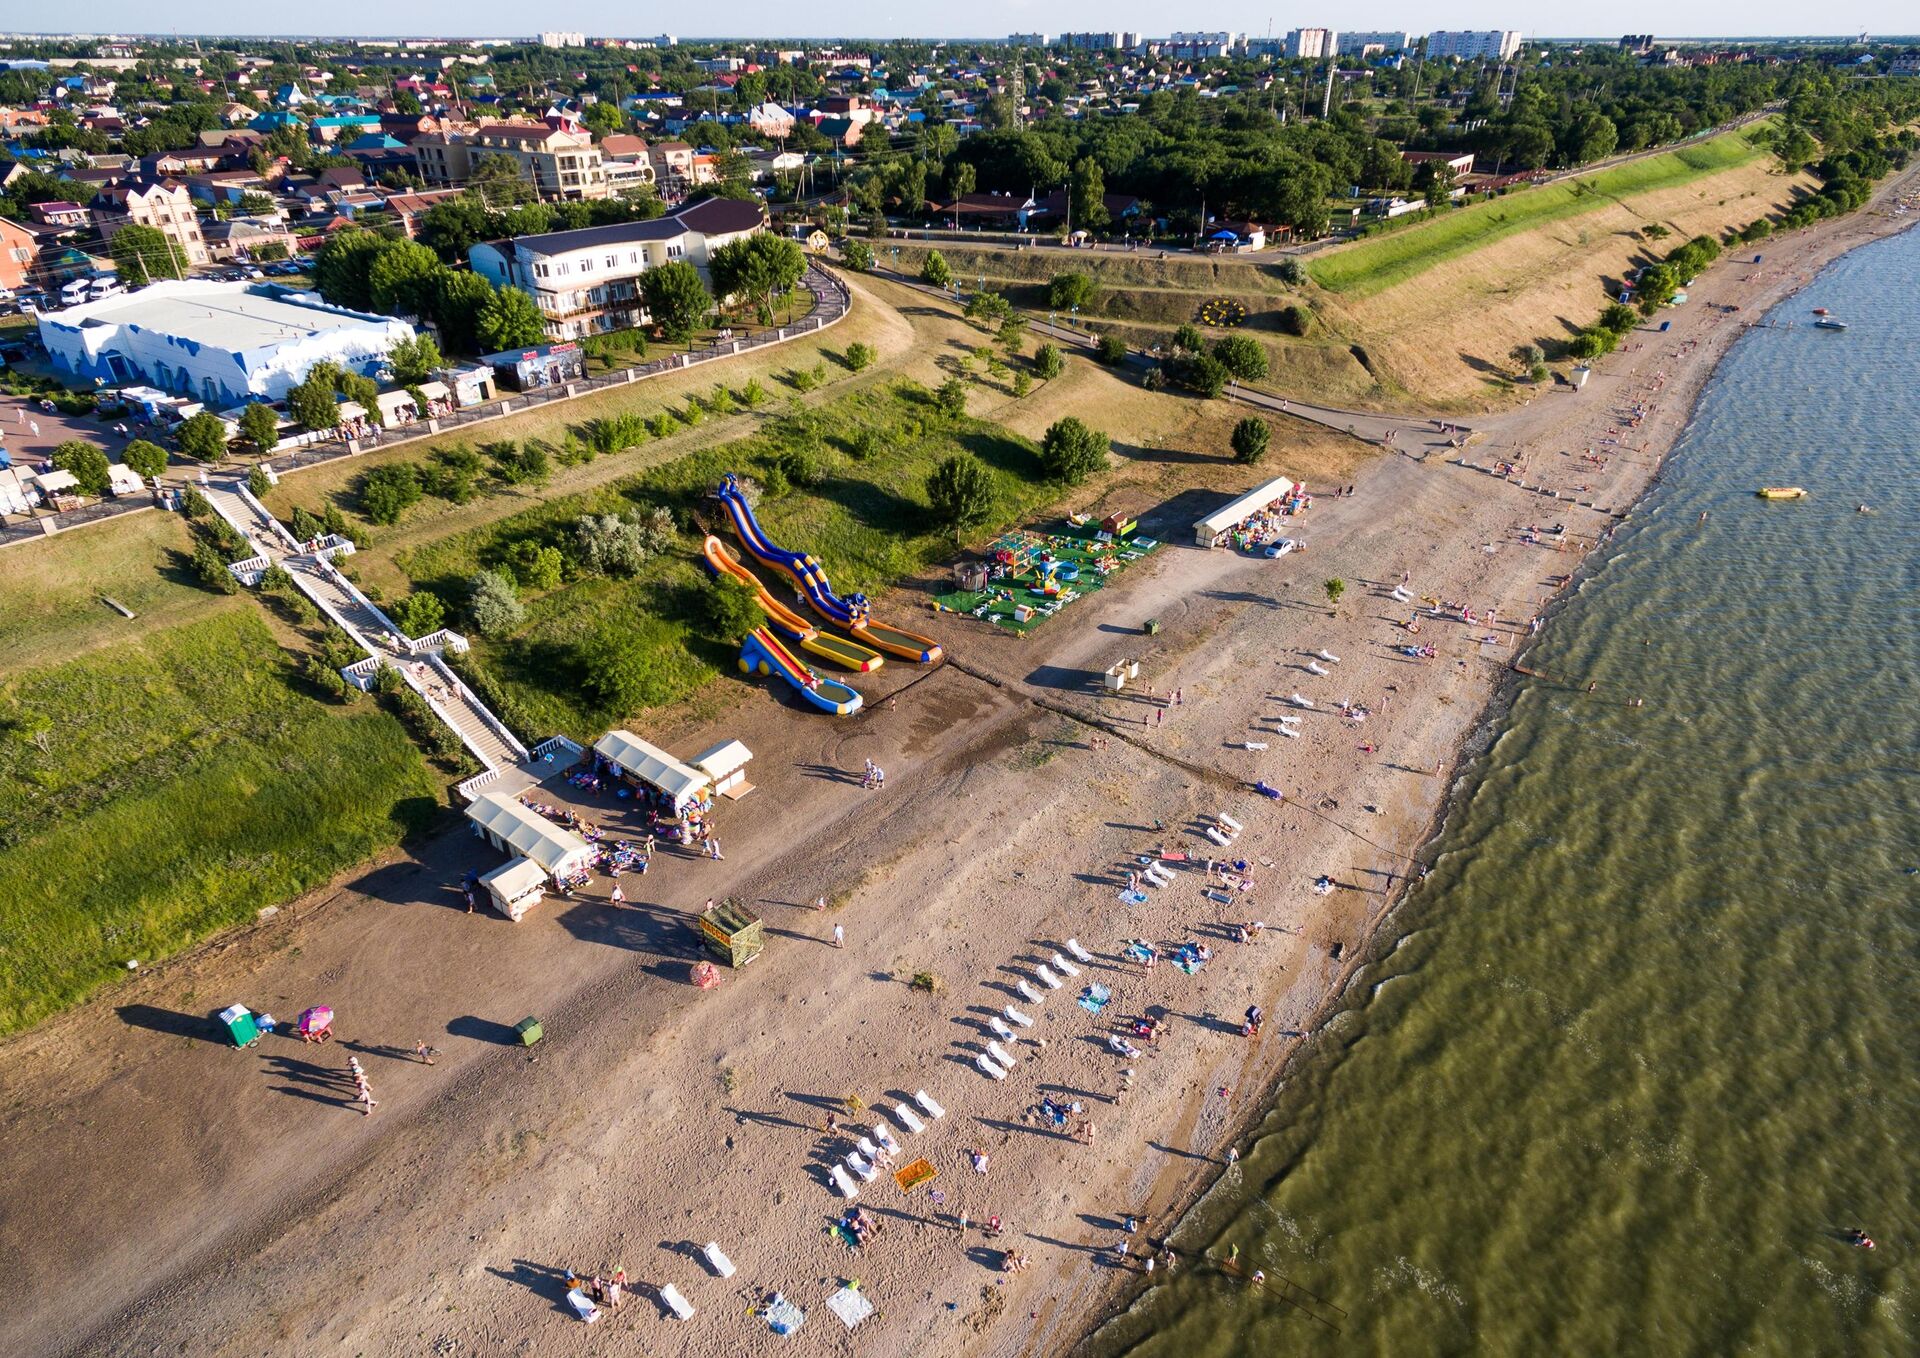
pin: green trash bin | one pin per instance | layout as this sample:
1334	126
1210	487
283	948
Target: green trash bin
241	1026
529	1031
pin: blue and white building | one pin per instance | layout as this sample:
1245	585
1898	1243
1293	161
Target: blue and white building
221	343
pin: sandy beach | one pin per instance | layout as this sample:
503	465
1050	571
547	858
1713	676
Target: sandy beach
168	1193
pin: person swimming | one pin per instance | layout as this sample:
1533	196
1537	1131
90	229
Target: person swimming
1859	1239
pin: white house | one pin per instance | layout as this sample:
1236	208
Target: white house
588	280
222	343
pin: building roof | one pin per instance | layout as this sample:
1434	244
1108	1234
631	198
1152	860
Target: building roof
650	764
514	879
235	317
555	848
721	216
710	217
724	758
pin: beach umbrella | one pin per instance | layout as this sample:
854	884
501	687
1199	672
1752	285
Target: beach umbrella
316	1020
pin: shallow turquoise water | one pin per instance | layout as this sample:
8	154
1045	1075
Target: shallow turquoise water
1645	1042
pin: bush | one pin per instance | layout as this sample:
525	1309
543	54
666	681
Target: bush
619	544
203	436
451	474
1022	383
534	566
144	458
1188	340
520	464
863	444
1047	362
1071	451
805	467
1291	273
732	609
1619	319
1013	333
1295	320
951	398
857	255
1539	372
860	356
960	490
753	395
1242	356
1111	350
305	526
387	492
1250	439
419	613
936	271
493	604
1154	378
257	483
193	504
90	468
663	425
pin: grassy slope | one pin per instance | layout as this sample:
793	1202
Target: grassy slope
1372	266
177	784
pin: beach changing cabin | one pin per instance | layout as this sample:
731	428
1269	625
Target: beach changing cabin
726	765
1218	526
651	767
517	831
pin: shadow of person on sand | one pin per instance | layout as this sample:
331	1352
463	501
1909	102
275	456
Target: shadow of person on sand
542	1280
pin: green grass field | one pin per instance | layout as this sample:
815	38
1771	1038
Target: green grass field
158	790
866	519
1373	266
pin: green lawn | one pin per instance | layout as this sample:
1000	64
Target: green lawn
162	789
1372	266
866	519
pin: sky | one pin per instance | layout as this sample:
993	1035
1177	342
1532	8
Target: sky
977	19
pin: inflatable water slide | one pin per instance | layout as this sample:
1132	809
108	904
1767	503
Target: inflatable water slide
852	613
763	651
788	623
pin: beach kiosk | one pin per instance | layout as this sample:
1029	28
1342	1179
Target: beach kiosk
726	765
650	768
732	932
544	365
520	832
516	887
1218	526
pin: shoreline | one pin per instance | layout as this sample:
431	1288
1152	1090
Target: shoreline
478	1181
1827	247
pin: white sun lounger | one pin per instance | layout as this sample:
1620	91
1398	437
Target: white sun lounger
861	1168
1073	946
676	1303
1298	701
999	1026
988	1066
927	1105
1027	992
582	1305
1047	978
909	1119
998	1053
866	1147
1213	833
1315	667
717	1260
1329	656
1253	744
1017	1017
1289	733
1156	876
885	1138
1233	826
843	1181
1064	967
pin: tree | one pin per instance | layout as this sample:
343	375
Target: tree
1618	319
1335	588
89	466
420	613
493	604
1243	356
857	255
960	489
1250	439
1204	374
145	459
257	483
536	567
951	398
450	228
1047	362
1013	333
732	608
458	299
1526	356
962	179
860	356
1111	350
936	271
402	277
1068	291
676	299
757	269
1071	451
312	404
509	320
342	266
260	426
210	570
361	390
1087	195
145	254
989	308
203	436
415	360
613	544
1188	340
386	492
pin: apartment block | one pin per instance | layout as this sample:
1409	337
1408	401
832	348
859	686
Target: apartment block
558	163
1494	44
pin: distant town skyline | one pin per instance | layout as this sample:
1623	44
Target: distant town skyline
993	19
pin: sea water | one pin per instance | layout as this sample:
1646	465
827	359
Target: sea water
1646	1043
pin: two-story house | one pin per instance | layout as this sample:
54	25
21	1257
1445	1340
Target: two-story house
162	204
588	280
558	162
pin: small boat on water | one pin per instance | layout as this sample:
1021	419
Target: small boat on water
1829	323
1782	492
1819	311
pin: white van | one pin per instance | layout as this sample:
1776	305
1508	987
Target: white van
74	291
106	285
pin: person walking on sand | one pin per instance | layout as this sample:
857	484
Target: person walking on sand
366	1096
616	896
820	903
839	936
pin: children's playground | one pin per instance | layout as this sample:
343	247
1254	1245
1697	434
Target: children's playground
1029	575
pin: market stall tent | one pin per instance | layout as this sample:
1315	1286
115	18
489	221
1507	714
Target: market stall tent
513	829
516	887
639	762
726	765
1209	531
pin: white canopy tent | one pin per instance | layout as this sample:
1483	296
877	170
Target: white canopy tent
513	829
1209	531
635	759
